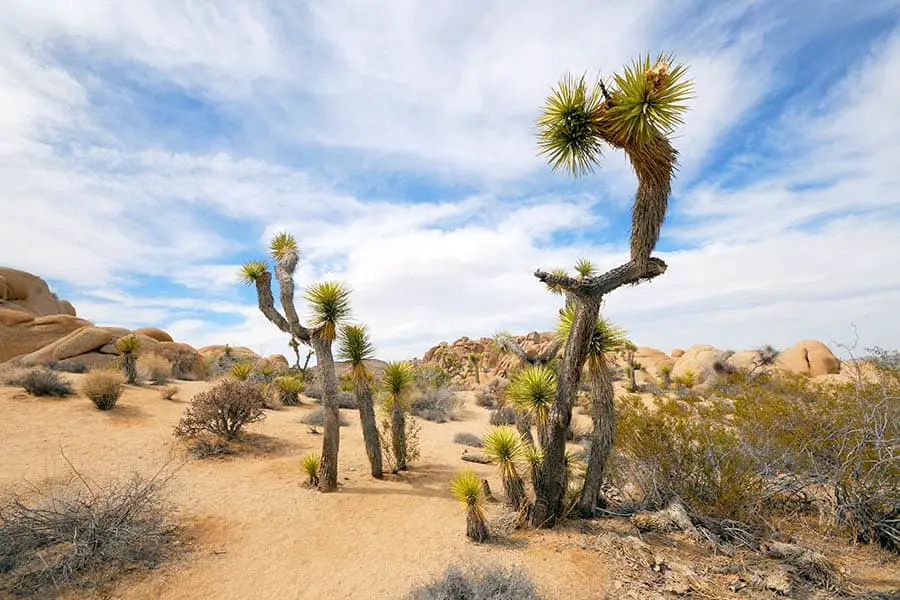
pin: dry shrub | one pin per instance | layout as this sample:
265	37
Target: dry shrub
169	392
66	366
505	415
479	583
436	404
44	382
223	410
12	374
186	363
154	368
413	443
316	418
81	534
493	394
467	439
103	388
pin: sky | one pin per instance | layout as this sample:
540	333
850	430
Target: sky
148	148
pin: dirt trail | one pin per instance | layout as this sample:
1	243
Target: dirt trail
259	532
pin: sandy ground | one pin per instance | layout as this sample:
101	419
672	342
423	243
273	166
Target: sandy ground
258	533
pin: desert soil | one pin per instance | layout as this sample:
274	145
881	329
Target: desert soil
256	532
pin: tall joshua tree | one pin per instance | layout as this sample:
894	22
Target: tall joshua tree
605	341
474	364
397	381
637	113
330	303
355	347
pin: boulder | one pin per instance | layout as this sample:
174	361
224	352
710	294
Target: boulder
86	339
31	293
746	360
810	358
92	360
699	361
677	353
22	333
187	362
279	362
157	334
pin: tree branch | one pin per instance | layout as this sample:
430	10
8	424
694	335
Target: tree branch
266	303
548	354
596	287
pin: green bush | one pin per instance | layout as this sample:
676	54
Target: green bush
436	404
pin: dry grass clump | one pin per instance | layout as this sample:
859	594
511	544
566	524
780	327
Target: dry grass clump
66	366
168	392
44	382
490	582
223	410
103	388
316	418
467	439
12	374
154	368
81	534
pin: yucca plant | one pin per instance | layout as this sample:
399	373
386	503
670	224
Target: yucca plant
534	456
504	446
355	347
397	381
474	362
329	303
289	389
311	465
466	487
533	389
129	346
241	371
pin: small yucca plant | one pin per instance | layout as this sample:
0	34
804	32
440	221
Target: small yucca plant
466	487
241	371
168	392
129	346
585	268
310	464
533	389
534	456
289	389
329	303
504	446
397	380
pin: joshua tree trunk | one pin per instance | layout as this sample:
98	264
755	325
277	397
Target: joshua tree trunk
370	429
398	434
632	381
129	367
331	440
477	376
523	424
514	488
602	438
476	528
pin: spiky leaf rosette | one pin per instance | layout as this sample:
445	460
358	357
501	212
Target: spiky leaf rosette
607	337
554	288
585	268
648	100
534	455
567	128
329	303
241	371
289	384
534	389
355	346
283	250
128	344
251	271
396	380
466	487
504	446
310	464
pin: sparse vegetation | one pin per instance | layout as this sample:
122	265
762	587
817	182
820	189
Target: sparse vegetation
492	395
66	366
223	410
412	444
482	583
311	464
104	388
467	439
467	488
505	415
44	382
154	368
436	404
168	392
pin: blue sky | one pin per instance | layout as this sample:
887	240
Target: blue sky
149	148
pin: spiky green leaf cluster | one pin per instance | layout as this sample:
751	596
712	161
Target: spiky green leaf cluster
466	487
585	268
241	371
567	128
310	465
354	344
251	271
534	455
289	384
283	247
128	344
607	337
554	288
504	446
329	304
534	389
396	380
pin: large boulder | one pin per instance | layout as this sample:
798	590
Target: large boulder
31	293
809	357
157	334
83	340
698	360
22	333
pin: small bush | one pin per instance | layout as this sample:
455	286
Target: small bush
67	366
505	415
482	583
413	443
223	410
437	404
316	418
12	375
242	371
169	392
467	439
347	400
289	389
103	388
493	394
314	391
427	377
74	534
310	464
154	368
44	382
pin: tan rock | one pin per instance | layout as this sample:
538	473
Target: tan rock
157	334
86	339
187	362
110	349
699	361
677	353
809	357
118	332
21	333
31	293
92	360
279	361
745	359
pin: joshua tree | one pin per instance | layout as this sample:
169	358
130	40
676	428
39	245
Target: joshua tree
504	446
605	341
633	366
532	390
355	347
466	487
397	381
330	303
295	346
584	268
129	346
474	362
636	114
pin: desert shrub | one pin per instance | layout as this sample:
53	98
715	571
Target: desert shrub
316	418
493	394
347	400
154	368
310	464
44	382
241	371
482	583
66	366
289	389
223	410
413	443
314	391
467	439
168	392
436	404
346	383
103	388
427	377
63	535
505	415
12	374
186	364
684	381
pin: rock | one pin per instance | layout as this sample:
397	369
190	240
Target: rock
699	361
157	334
92	360
677	353
187	362
745	360
810	358
86	339
279	362
22	333
31	293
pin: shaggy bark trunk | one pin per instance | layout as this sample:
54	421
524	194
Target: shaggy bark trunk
514	488
398	434
544	433
551	485
129	367
602	438
477	376
476	528
370	429
306	362
632	381
331	440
